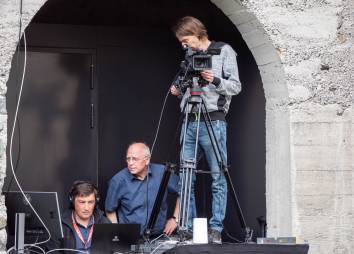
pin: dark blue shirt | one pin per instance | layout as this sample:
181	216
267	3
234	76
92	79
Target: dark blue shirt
133	199
85	231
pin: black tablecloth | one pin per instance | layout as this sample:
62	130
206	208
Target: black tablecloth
241	249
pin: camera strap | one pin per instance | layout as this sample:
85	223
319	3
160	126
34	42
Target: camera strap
216	45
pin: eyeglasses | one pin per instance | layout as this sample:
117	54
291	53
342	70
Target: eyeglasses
134	159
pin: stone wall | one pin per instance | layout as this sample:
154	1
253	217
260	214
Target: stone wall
315	44
304	52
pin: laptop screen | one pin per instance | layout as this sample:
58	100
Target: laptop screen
110	238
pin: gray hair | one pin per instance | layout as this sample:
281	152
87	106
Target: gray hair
147	152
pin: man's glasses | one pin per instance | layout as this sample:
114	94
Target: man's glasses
134	159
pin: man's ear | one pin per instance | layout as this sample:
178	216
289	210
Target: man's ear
147	161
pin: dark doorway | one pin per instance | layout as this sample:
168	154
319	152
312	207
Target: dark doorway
137	57
54	141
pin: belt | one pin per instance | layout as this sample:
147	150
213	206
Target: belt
214	116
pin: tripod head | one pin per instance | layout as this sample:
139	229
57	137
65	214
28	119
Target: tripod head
189	78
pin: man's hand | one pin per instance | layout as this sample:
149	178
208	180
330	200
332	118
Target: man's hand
175	91
208	75
170	226
112	216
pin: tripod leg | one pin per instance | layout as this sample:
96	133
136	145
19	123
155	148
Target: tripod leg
183	134
187	169
223	168
188	161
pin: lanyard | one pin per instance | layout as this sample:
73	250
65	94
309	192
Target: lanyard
78	232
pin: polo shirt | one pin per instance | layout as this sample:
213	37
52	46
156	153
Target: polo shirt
133	199
85	234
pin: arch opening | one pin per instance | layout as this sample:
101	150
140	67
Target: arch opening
92	31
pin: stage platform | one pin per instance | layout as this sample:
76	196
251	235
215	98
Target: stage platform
241	249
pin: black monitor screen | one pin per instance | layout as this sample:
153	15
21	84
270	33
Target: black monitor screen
46	205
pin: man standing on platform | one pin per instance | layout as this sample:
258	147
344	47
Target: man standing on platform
222	82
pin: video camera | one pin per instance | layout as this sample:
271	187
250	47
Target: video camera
195	62
201	59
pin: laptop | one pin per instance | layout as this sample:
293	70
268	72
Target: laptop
114	238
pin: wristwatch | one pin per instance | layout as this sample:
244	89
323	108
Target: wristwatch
174	217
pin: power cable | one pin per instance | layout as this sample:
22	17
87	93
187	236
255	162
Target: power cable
163	108
11	140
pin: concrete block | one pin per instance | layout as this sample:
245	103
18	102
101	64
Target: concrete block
250	26
325	205
265	54
228	6
273	79
255	38
328	234
313	112
272	71
275	89
323	158
278	171
241	17
322	134
324	183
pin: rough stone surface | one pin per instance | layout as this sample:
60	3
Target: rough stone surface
304	50
314	40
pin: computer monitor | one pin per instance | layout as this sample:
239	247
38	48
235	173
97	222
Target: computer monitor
46	205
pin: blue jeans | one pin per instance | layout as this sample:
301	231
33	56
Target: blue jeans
219	185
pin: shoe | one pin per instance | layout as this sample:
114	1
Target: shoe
214	236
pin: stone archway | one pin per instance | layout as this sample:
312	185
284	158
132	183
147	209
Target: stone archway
279	187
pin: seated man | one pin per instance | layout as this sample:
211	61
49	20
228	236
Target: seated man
78	222
133	190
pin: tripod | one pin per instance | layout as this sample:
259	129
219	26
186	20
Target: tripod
188	167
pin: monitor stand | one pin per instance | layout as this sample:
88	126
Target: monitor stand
20	233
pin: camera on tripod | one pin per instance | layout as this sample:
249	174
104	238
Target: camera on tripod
195	62
201	59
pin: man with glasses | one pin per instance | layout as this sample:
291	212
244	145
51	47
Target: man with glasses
132	191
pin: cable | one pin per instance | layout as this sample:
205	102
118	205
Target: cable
26	248
158	246
159	123
232	237
11	142
79	251
35	246
161	235
163	107
147	197
168	156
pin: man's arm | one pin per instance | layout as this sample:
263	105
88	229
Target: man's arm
112	200
112	216
172	223
230	83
